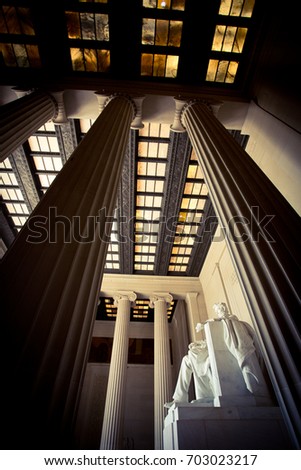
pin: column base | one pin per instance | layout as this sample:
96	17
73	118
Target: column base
191	426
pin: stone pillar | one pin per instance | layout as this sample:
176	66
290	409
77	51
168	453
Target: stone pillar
50	282
162	362
111	436
263	236
20	118
194	314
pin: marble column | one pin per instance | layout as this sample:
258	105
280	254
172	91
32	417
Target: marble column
112	427
162	362
194	314
20	118
50	282
263	236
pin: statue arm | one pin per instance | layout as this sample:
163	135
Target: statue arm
198	344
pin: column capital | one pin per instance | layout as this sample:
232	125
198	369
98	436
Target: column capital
159	296
61	117
104	97
182	104
137	122
124	295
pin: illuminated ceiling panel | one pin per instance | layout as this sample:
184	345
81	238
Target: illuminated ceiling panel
157	32
12	196
151	164
165	5
90	60
153	41
16	20
222	71
237	8
90	26
140	311
45	155
93	1
112	259
193	202
155	129
159	65
84	27
160	38
229	39
18	46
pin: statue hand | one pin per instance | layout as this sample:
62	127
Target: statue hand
199	327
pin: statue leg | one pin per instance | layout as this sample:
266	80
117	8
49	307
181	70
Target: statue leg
183	382
253	376
201	374
203	388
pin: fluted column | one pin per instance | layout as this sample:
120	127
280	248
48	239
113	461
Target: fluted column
263	236
20	118
111	436
194	314
162	362
50	281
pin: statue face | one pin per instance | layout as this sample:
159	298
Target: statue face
220	309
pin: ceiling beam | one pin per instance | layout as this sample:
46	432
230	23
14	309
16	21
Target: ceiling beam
177	164
126	207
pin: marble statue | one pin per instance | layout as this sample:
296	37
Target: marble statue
240	339
196	362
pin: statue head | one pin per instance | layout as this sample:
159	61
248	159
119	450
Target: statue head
221	310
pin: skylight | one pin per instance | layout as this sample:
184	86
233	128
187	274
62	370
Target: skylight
140	311
237	8
12	195
152	41
90	26
189	218
90	60
84	27
112	259
151	170
158	32
160	37
20	49
228	39
165	5
222	71
159	65
45	154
